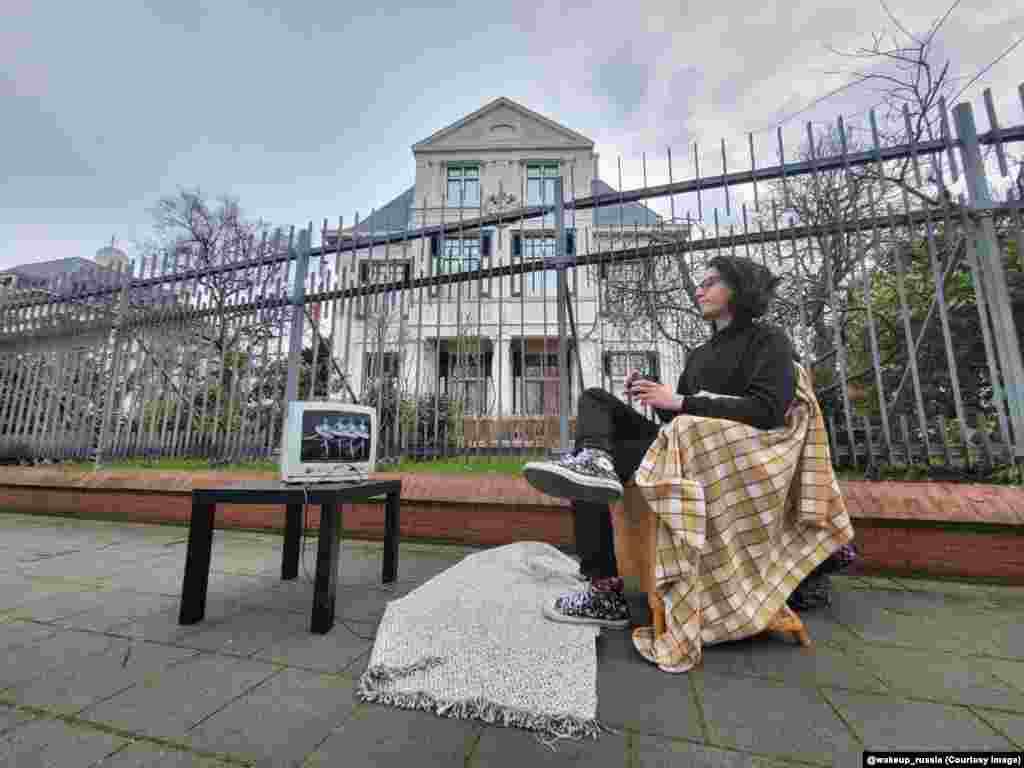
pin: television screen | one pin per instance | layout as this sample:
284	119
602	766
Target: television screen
333	436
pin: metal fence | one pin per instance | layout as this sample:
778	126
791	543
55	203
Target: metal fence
903	297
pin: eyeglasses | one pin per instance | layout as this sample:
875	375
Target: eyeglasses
709	282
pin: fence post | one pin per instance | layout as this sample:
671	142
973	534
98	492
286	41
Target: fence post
298	304
115	366
564	402
993	275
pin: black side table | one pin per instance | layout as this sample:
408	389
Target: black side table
292	496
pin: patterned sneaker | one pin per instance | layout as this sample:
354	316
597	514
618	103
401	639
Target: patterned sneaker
586	476
600	604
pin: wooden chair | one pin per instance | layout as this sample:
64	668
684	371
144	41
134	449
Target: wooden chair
635	528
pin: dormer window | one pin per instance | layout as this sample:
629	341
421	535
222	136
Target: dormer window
463	185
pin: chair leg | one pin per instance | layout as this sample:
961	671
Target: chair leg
657	607
787	622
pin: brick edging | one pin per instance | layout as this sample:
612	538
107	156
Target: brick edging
941	529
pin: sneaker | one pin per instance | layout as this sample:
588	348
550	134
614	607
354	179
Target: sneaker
599	604
586	476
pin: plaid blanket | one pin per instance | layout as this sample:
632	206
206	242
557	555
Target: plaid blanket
744	516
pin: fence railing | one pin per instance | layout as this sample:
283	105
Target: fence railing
903	296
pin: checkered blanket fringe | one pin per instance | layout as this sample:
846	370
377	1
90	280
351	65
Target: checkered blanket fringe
744	516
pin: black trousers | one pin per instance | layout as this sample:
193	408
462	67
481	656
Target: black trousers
604	421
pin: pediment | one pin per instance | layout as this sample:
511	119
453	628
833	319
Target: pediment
503	124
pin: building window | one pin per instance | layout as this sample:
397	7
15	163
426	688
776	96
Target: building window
464	373
526	247
535	384
384	368
464	186
617	366
460	255
373	272
540	183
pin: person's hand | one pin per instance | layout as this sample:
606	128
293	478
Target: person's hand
630	379
655	395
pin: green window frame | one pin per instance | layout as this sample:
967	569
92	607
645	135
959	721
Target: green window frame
463	190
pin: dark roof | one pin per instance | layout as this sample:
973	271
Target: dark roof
632	213
47	270
393	216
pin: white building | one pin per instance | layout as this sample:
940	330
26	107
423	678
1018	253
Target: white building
496	159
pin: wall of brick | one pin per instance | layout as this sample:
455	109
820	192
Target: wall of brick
941	529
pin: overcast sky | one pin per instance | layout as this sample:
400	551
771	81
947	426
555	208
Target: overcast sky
309	111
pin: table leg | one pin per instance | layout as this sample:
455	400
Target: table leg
197	564
391	508
325	586
292	541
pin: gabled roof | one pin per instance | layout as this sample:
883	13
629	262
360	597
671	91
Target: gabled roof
571	137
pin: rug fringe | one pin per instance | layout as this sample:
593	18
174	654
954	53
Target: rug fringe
549	728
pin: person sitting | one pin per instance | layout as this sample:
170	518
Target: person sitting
745	373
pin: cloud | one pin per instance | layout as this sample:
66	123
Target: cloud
309	110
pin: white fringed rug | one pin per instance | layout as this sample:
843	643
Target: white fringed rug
473	643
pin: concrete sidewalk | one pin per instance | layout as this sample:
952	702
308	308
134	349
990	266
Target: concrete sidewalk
98	672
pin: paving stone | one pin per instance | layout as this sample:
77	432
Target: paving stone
654	752
116	607
243	633
770	657
59	606
63	649
1007	637
280	721
143	755
634	693
366	603
358	665
159	579
56	744
899	724
169	702
69	690
914	620
771	718
11	718
944	677
381	736
325	653
1010	725
826	631
1011	672
15	632
515	747
163	627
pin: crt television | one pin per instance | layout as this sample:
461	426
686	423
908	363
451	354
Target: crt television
328	442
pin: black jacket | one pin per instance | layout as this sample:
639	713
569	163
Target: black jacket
752	365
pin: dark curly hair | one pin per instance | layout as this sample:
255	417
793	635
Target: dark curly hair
753	285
